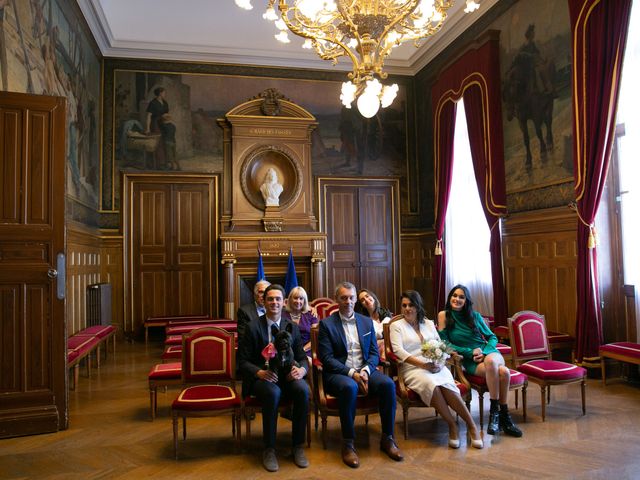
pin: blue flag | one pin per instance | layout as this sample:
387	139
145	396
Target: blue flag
291	280
260	275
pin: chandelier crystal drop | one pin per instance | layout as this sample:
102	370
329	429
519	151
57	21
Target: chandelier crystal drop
364	31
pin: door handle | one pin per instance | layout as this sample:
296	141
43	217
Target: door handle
60	274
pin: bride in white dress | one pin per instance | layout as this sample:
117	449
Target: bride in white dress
434	384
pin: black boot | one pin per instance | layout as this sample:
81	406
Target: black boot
506	424
494	418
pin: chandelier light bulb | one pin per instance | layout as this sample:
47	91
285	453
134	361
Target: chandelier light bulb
388	95
244	4
368	104
270	14
348	94
307	44
283	37
472	6
280	25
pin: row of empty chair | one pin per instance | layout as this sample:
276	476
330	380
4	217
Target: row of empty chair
82	344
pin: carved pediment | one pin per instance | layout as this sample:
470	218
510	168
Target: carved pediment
269	103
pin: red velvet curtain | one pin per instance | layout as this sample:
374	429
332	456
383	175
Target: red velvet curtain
488	165
599	32
444	127
476	76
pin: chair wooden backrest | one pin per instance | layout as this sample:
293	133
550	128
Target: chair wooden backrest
528	333
388	348
208	355
321	308
318	300
330	310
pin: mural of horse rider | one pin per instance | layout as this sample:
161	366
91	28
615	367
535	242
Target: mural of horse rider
528	93
159	121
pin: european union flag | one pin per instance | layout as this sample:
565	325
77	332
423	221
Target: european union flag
260	275
291	280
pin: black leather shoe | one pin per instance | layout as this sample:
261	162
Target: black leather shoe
389	446
493	426
507	425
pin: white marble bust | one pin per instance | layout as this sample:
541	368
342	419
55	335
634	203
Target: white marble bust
271	189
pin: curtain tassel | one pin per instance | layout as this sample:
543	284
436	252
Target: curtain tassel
592	241
438	249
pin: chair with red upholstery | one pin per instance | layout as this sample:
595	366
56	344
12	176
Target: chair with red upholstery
532	356
208	362
318	300
327	405
407	397
330	310
162	375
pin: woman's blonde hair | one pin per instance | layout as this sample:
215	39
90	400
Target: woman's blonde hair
298	292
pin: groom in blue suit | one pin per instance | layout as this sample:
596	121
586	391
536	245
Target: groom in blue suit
348	351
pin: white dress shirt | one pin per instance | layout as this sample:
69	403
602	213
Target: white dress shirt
355	359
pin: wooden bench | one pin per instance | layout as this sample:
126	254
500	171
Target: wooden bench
81	345
164	320
626	352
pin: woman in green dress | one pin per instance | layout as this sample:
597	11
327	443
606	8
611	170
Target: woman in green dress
464	330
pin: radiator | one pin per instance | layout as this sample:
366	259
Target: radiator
98	304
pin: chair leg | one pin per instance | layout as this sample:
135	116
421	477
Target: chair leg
153	395
238	419
583	387
184	428
233	426
405	421
516	393
549	394
481	408
603	369
324	432
309	430
524	402
315	415
247	419
543	397
175	435
98	348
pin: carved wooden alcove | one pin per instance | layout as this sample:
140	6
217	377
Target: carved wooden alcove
268	132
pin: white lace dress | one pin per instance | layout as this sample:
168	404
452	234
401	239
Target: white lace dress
406	342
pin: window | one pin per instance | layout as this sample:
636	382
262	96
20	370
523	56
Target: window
467	235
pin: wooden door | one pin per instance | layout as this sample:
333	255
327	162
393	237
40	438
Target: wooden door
171	234
360	219
33	396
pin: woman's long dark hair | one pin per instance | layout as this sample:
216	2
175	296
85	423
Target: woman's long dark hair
466	312
416	300
379	309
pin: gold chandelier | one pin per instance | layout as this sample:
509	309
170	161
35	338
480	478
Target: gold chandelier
365	31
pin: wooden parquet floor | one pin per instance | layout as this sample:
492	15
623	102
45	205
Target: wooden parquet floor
111	436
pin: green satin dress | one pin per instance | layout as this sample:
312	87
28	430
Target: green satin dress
464	340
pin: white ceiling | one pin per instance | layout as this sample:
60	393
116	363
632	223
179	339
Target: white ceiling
217	31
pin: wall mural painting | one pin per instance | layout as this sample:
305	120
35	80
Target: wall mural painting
45	50
168	122
535	61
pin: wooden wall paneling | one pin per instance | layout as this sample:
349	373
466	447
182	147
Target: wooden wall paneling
170	225
83	268
111	262
539	251
361	220
416	269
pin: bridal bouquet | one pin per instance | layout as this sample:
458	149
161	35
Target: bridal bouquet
435	351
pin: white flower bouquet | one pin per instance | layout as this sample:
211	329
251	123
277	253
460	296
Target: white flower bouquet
435	351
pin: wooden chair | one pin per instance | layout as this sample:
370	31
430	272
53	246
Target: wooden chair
208	360
407	397
318	300
532	356
327	405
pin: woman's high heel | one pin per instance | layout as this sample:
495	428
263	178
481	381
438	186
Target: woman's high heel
475	443
454	443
